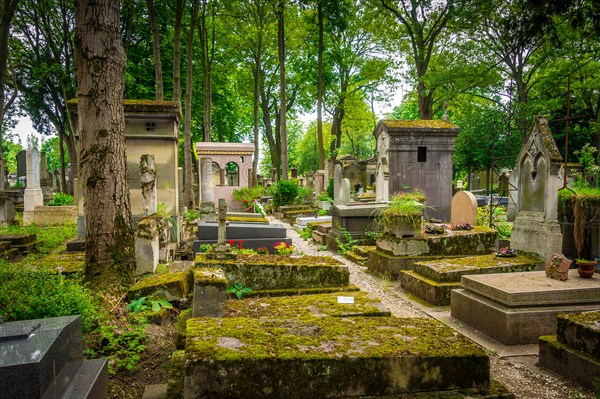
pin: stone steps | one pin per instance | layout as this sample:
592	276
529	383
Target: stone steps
575	351
433	280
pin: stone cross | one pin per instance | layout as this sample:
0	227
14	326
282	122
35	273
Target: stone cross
221	236
148	182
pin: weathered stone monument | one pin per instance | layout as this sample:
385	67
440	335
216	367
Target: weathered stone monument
536	229
45	178
464	208
207	204
21	164
33	193
345	191
146	243
338	193
416	154
148	183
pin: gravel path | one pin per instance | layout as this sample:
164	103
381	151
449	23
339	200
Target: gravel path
520	374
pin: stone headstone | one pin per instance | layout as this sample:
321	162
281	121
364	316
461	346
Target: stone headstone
45	178
464	208
33	193
558	267
338	193
345	191
382	172
21	164
536	229
221	234
148	183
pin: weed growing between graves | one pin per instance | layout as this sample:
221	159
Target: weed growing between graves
347	243
61	199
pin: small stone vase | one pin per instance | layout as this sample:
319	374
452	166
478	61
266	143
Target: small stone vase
586	268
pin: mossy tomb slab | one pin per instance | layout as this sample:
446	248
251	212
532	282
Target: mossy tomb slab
479	241
327	357
307	305
300	291
390	266
580	331
451	269
66	263
172	286
209	276
175	381
433	292
269	272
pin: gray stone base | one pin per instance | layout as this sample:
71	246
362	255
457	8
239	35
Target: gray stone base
576	365
531	233
509	325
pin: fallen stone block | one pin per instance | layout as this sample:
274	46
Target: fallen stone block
172	286
210	294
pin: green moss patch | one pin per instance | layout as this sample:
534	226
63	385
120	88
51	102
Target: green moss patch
275	272
209	276
420	124
66	263
451	269
328	357
307	305
432	292
299	291
247	220
175	385
172	286
581	331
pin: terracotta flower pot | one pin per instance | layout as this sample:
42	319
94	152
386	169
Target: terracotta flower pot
586	268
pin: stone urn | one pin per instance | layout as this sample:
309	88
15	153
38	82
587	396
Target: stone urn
586	268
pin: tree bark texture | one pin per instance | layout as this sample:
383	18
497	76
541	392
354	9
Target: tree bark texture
177	52
282	99
100	68
188	187
207	40
6	14
320	86
257	79
158	76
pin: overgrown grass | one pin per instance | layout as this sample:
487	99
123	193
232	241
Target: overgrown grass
50	238
36	295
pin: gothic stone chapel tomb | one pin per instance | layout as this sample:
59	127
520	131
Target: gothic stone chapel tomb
416	154
538	170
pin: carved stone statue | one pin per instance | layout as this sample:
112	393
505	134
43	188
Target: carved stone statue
148	182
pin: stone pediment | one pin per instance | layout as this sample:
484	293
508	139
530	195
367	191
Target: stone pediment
541	142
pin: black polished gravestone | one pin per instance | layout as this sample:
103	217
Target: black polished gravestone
44	359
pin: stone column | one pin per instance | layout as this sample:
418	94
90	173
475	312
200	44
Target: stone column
338	193
33	193
207	204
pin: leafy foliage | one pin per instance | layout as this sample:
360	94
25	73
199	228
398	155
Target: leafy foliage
149	303
285	192
61	199
26	294
49	238
238	290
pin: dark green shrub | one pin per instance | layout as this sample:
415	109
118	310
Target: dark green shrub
330	189
61	199
27	295
285	192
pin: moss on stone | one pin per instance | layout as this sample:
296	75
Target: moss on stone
66	263
419	124
556	344
591	319
177	285
270	260
182	319
307	305
306	338
249	220
209	276
175	387
299	291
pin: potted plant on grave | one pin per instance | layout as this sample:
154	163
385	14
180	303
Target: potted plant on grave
323	201
404	216
586	267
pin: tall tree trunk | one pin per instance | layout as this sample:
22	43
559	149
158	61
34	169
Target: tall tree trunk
275	155
282	99
188	187
177	52
63	169
257	69
6	14
100	67
160	95
207	56
320	86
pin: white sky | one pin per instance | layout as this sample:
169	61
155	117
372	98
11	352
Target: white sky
23	129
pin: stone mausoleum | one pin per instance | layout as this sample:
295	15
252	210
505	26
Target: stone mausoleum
224	167
416	154
151	127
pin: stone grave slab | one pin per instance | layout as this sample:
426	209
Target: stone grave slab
267	272
534	288
517	308
171	286
575	350
337	304
303	221
327	357
237	231
43	358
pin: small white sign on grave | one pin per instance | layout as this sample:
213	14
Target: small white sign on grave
345	299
